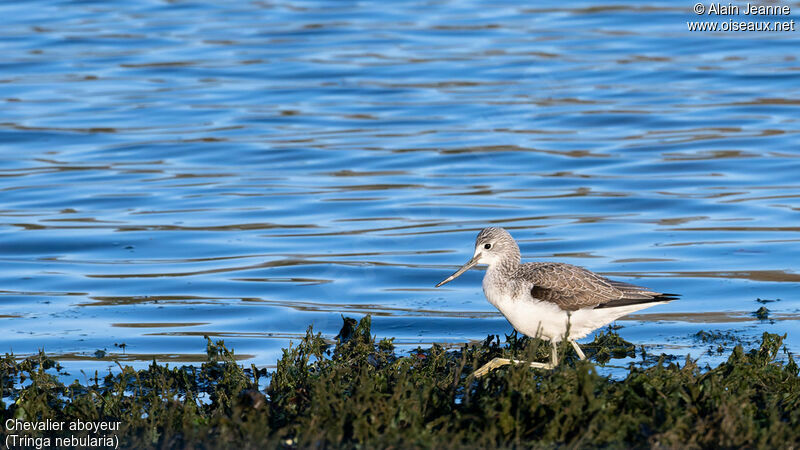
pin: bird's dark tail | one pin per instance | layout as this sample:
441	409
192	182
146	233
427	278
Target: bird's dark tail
654	297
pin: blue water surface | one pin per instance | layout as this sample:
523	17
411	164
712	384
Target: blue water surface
242	170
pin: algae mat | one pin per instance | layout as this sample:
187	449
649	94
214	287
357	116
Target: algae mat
359	392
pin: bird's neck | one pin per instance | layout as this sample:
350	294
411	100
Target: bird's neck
509	264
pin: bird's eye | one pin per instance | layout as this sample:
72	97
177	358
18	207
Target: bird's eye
487	246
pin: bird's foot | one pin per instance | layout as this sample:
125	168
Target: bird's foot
500	362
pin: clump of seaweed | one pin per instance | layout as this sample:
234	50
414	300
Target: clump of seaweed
609	344
361	393
713	337
720	341
762	313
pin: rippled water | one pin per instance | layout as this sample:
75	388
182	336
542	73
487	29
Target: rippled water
174	169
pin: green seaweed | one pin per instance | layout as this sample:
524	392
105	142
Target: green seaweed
762	313
361	393
720	341
608	345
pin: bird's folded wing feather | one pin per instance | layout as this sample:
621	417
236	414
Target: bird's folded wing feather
572	288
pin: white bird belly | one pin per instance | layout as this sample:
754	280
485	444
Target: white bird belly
536	318
529	316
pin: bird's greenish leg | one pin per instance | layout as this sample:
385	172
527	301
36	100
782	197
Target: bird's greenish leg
577	349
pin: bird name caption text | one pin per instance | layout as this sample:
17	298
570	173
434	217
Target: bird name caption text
42	434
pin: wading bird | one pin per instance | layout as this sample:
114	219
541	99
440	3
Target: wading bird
550	300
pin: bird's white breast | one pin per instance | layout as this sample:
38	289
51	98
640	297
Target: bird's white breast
527	315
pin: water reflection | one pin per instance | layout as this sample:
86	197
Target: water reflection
273	166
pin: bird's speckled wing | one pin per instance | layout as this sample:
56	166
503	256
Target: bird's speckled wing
572	288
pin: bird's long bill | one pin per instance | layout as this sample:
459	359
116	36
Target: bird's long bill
463	269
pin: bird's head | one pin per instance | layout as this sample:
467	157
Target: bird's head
492	245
